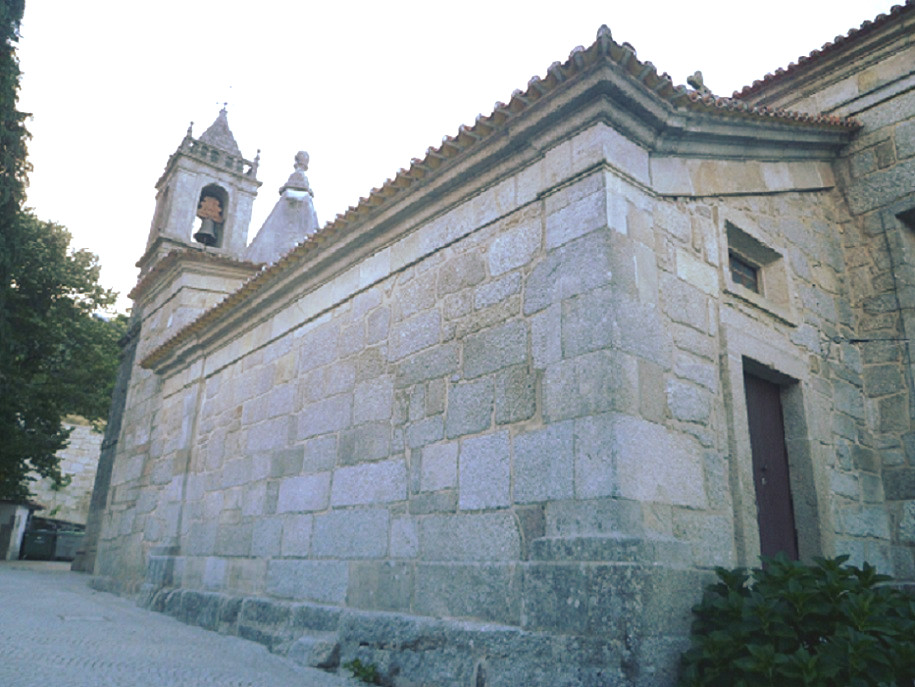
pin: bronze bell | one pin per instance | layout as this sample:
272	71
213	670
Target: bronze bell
207	233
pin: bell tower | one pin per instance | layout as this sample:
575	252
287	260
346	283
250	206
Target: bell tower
204	197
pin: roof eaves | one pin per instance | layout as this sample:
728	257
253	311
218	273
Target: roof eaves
175	256
839	42
470	138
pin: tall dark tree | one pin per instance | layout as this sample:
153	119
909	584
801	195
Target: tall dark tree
57	356
14	166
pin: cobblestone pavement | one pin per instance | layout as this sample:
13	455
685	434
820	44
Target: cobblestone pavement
54	630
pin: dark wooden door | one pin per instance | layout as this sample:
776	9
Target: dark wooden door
775	511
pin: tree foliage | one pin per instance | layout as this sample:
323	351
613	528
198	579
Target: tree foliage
57	356
822	625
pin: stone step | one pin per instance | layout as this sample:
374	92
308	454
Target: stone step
616	548
316	650
596	517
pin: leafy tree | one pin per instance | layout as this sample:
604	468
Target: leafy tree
821	625
13	135
58	358
56	355
14	166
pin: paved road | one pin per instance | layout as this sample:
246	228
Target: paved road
54	630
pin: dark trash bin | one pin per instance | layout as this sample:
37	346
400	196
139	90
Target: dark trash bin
38	545
67	545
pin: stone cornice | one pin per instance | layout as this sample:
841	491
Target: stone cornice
603	83
179	259
839	54
211	156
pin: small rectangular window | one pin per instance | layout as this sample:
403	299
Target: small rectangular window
744	273
908	218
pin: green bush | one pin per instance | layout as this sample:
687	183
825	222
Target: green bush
789	623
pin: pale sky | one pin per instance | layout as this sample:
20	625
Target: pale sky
362	86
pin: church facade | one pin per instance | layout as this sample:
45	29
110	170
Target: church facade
497	423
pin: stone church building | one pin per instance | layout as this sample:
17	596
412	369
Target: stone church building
496	424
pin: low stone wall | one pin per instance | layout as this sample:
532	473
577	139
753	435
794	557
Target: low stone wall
624	621
78	461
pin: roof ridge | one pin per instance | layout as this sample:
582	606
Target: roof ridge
852	35
580	59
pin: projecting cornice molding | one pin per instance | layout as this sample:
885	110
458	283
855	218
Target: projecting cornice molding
603	84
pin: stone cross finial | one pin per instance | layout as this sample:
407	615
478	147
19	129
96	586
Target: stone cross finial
297	180
698	82
252	172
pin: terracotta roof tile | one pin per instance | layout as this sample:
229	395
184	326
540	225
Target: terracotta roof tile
193	255
837	43
604	49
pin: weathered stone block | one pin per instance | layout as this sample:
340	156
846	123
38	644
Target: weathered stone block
377	324
544	464
469	537
214	573
574	268
439	467
485	591
321	581
373	400
416	295
625	456
697	273
576	219
437	362
593	517
546	336
329	415
435	397
404	539
233	540
515	395
587	322
515	247
316	650
490	293
864	521
899	484
469	407
590	384
269	435
304	493
484	472
266	537
697	370
495	348
319	454
894	413
351	534
296	539
370	363
684	303
370	483
613	547
381	586
364	443
687	402
460	272
414	334
710	536
444	501
286	462
318	347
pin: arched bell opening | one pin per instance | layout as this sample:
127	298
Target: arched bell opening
211	210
